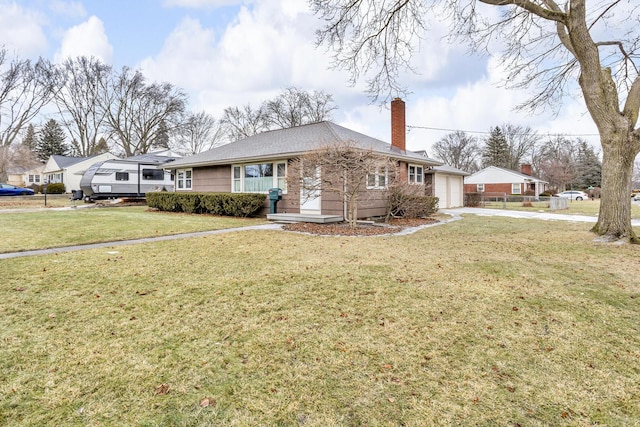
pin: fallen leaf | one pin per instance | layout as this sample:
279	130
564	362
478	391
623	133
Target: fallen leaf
52	315
391	399
564	415
21	289
515	309
206	402
387	366
162	389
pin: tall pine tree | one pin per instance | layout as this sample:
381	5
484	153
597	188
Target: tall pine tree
496	150
587	167
30	141
51	141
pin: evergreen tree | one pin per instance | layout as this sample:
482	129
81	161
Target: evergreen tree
51	141
587	167
161	140
30	141
101	147
496	150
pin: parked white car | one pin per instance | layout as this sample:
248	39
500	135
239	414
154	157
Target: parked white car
574	195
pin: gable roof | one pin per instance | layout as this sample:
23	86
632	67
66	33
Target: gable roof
488	175
293	142
66	161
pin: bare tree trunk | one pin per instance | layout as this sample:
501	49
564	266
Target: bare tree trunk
614	219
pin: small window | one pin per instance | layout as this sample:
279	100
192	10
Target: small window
416	174
515	188
122	176
480	188
184	179
152	174
378	179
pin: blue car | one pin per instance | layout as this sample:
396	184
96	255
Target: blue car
12	190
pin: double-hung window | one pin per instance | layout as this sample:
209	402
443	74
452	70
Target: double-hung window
515	188
480	188
184	179
258	177
416	174
377	179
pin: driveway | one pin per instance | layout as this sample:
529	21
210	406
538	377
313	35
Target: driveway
524	214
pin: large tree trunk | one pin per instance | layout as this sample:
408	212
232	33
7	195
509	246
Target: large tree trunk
614	219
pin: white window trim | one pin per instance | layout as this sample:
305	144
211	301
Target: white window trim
513	186
377	176
409	166
275	177
183	179
480	188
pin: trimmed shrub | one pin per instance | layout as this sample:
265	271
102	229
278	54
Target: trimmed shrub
409	201
227	204
55	188
472	200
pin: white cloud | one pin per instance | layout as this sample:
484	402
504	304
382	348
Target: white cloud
86	39
201	4
72	9
263	50
21	30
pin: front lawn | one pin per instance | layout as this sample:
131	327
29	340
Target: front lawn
483	321
52	228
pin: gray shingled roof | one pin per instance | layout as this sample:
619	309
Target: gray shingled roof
292	142
66	161
451	170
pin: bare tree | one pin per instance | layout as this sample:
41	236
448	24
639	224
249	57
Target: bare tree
198	132
556	164
240	123
343	169
521	141
81	83
295	107
23	92
548	45
459	150
135	110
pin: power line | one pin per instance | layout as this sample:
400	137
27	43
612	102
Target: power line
488	133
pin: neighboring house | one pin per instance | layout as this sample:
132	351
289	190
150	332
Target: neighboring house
260	162
499	180
69	170
24	177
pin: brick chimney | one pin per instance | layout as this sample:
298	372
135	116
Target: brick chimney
398	126
525	169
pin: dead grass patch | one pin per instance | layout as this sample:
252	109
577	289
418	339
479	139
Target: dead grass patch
485	321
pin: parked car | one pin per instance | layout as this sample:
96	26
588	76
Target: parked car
636	198
574	195
12	190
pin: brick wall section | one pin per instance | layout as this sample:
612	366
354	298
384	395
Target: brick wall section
490	188
398	124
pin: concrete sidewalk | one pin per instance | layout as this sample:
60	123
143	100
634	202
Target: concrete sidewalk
455	214
136	241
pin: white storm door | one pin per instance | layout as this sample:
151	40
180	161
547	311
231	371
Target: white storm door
310	197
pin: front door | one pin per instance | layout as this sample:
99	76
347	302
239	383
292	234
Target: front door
310	194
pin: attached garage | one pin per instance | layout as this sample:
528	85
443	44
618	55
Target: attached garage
448	186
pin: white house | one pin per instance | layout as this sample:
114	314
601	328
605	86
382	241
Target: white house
499	180
69	170
26	176
448	186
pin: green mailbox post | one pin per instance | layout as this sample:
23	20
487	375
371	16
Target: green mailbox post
275	194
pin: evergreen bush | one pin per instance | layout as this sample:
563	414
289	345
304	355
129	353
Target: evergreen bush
226	204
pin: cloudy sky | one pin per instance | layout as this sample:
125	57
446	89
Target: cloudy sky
235	52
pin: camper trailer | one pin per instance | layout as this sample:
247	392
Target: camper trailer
131	177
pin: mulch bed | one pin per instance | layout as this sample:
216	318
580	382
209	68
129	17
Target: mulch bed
342	229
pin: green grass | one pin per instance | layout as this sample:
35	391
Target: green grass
37	201
576	207
51	228
484	321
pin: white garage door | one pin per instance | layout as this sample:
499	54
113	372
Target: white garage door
456	190
441	190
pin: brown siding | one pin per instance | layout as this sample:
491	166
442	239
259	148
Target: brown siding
212	179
